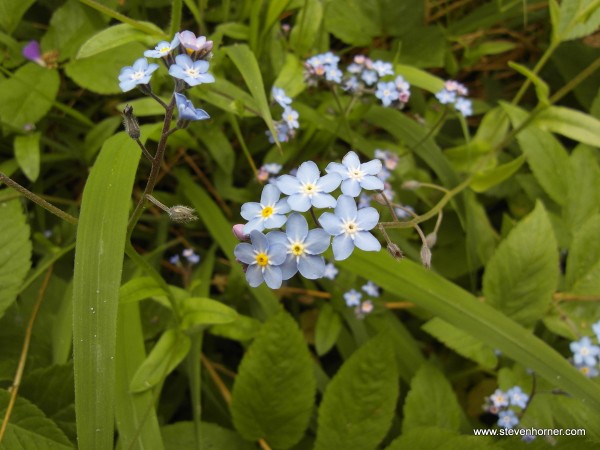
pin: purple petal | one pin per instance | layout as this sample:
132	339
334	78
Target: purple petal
342	246
323	201
311	267
245	253
299	202
366	241
346	208
371	183
297	227
32	51
288	185
308	172
367	218
329	182
372	167
273	277
317	241
331	223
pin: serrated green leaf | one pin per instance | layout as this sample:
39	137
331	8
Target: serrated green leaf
304	35
181	436
169	351
462	343
487	179
243	328
29	428
522	275
15	251
327	330
359	402
573	124
27	154
583	263
140	288
274	390
198	311
11	12
115	36
431	401
583	194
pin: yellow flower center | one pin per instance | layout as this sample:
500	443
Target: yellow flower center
267	211
350	227
309	189
191	72
297	249
165	49
262	259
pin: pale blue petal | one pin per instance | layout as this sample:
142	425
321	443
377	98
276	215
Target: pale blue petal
331	223
177	71
372	183
201	65
289	267
256	224
308	172
244	252
367	218
273	277
299	202
140	64
342	246
277	254
127	85
329	182
351	160
311	267
346	208
282	206
254	275
151	68
320	200
259	241
199	79
317	241
297	227
366	241
277	237
288	184
270	195
372	167
275	221
183	61
250	210
351	187
338	168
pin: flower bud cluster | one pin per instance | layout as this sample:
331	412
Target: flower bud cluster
454	93
353	299
289	118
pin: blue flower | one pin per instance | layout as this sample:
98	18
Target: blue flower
330	271
369	77
364	200
445	97
283	133
350	227
507	419
455	86
308	188
517	397
191	256
192	72
139	73
192	44
263	259
303	247
174	260
269	213
187	110
401	83
464	106
272	168
330	58
291	118
333	74
499	398
371	289
352	84
383	68
352	298
280	97
354	68
588	371
356	175
163	48
584	352
386	92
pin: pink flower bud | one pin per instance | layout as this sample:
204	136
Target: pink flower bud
238	232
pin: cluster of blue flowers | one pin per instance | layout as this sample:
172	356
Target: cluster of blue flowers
353	299
278	255
362	76
586	355
454	93
188	254
289	118
186	57
267	172
506	405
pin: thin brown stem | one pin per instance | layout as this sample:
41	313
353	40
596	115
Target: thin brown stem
144	150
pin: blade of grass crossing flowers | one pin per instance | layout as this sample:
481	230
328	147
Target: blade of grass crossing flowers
98	265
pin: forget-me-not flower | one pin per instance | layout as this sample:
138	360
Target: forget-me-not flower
445	96
303	248
192	72
291	118
499	398
330	271
191	256
507	419
464	106
356	175
280	97
269	213
352	298
383	68
350	227
187	111
371	288
588	371
351	84
263	259
308	188
193	44
584	352
369	77
139	73
517	397
333	74
401	83
283	133
386	92
163	48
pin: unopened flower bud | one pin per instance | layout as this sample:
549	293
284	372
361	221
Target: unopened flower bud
182	214
379	198
426	256
411	185
238	232
395	251
431	239
132	127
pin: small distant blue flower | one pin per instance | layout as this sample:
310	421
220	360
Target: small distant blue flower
192	44
499	398
283	133
187	111
446	97
507	419
584	352
163	48
273	168
191	256
528	438
369	77
596	329
330	58
308	188
350	227
263	259
386	92
330	271
280	97
291	118
389	159
464	106
269	213
303	248
192	72
401	83
588	371
383	68
139	73
315	61
354	68
384	174
517	397
371	289
174	260
351	84
455	86
352	298
402	214
356	175
333	74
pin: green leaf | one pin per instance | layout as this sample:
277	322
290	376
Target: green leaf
274	390
359	402
423	438
115	36
577	18
583	263
522	275
352	21
180	436
29	428
140	288
15	252
431	401
11	12
98	264
487	179
291	76
27	154
541	87
462	343
573	124
243	328
420	78
245	61
327	331
28	95
307	27
583	192
204	311
169	351
423	46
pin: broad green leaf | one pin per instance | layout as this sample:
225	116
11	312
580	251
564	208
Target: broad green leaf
198	311
168	352
29	428
291	76
243	328
27	96
15	251
143	107
481	237
487	179
493	128
522	275
583	192
218	145
229	97
583	263
274	390
180	436
573	124
431	402
420	78
140	288
352	21
117	35
307	27
27	154
98	264
462	343
426	438
545	155
451	303
359	403
246	63
233	30
327	330
423	46
11	12
576	19
541	87
98	134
